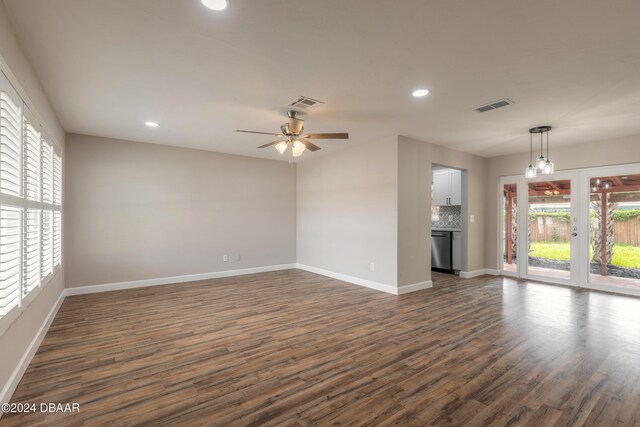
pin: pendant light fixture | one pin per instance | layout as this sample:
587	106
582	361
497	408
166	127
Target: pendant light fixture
530	171
543	165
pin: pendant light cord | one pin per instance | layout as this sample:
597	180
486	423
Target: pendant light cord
547	145
530	149
541	145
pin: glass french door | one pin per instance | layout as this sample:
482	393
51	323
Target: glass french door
550	233
612	228
539	228
578	228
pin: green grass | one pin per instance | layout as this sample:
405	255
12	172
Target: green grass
623	255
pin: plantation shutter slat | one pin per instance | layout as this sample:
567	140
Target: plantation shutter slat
32	167
31	251
57	238
47	243
57	180
10	146
47	172
10	242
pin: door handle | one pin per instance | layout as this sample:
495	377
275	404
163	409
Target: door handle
574	234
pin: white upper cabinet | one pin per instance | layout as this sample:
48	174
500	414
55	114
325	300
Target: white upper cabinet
455	193
447	187
441	184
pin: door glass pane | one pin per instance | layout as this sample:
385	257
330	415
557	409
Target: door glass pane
549	229
509	227
614	230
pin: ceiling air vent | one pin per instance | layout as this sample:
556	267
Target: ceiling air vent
305	103
494	105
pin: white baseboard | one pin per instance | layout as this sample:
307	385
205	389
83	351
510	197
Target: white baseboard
16	375
390	289
415	287
175	279
480	272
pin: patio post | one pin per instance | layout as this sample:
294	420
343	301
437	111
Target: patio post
603	231
508	248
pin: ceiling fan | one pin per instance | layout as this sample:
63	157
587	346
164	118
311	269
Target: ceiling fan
292	136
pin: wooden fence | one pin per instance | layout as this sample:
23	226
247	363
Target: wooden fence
548	229
627	232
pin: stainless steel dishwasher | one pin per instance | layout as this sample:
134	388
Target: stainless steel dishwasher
441	251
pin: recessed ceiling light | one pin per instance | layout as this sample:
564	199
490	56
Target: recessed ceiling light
420	92
216	4
152	124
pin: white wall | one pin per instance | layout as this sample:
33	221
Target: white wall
347	211
138	211
415	159
601	153
16	340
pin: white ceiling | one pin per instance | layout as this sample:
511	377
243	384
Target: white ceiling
110	65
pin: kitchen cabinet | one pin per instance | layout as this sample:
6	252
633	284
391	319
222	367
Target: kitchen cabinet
456	250
447	187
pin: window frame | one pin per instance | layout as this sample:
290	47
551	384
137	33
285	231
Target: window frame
23	203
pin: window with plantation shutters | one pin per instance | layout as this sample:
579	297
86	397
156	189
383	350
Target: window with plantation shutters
30	206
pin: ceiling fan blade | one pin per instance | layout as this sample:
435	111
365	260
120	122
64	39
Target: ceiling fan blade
327	136
259	133
270	144
296	125
310	146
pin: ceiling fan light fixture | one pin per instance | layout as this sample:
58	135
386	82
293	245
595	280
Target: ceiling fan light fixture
297	148
282	147
216	4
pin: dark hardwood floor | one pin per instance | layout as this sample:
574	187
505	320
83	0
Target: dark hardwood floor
294	348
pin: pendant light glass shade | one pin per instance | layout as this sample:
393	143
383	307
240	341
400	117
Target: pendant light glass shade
530	172
297	148
282	147
540	163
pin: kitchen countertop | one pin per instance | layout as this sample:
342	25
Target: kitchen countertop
445	229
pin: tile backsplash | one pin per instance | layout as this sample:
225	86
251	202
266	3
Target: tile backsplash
449	217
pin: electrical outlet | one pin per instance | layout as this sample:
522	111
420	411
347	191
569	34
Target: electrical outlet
472	219
225	258
373	266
